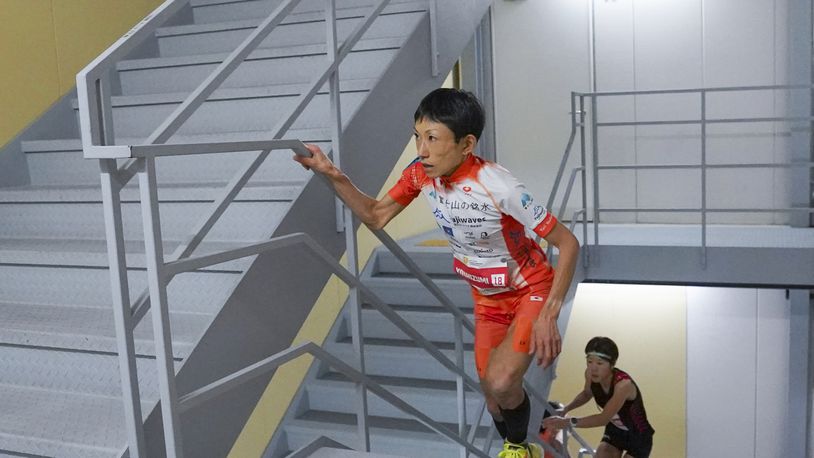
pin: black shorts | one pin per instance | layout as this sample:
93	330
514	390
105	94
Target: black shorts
636	445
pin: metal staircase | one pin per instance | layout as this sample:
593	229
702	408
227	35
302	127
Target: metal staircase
61	390
327	400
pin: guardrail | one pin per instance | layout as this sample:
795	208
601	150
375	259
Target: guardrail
578	129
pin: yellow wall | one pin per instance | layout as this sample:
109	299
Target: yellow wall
44	43
649	324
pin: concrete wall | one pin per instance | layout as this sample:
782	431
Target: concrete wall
650	45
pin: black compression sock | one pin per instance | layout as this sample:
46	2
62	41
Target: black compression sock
517	421
501	428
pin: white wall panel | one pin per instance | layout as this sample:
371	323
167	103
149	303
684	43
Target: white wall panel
615	71
772	390
541	55
721	370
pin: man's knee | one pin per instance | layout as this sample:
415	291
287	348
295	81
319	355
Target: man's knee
502	383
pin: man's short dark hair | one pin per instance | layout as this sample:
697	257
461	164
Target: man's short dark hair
459	110
603	346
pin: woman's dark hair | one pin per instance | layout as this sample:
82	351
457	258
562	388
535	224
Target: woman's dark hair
603	346
459	110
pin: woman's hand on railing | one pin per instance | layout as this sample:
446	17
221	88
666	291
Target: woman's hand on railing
318	162
556	423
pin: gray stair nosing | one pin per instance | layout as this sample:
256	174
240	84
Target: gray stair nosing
294	18
220	95
61	442
374	44
57	390
88	352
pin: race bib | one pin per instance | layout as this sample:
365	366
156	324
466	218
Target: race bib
490	273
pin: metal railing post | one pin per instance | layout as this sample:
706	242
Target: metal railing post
595	159
154	256
459	384
703	178
105	109
584	179
122	318
344	221
334	93
434	37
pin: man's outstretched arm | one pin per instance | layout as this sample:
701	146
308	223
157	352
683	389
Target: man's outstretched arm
546	342
374	213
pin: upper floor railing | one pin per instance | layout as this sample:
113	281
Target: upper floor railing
589	212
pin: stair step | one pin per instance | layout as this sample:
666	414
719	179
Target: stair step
386	381
409	291
432	260
244	109
387	435
263	67
204	192
437	327
330	452
93	253
39	423
209	11
245	221
67	371
440	405
91	328
414	362
194	292
60	162
298	29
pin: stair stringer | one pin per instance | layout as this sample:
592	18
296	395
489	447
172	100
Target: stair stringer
249	327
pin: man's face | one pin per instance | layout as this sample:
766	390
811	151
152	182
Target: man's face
439	153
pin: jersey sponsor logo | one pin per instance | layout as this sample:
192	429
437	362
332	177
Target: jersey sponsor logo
467	189
448	230
525	200
440	215
481	277
539	211
463	220
453	204
536	298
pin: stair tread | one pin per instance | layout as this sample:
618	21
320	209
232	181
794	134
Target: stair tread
402	343
283	191
74	418
73	371
295	17
235	93
90	328
387	381
343	421
369	44
423	309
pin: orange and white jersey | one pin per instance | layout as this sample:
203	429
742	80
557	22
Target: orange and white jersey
484	212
